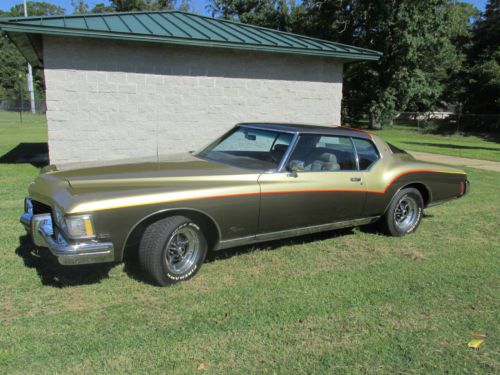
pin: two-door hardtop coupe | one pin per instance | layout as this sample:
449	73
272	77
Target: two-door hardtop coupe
257	182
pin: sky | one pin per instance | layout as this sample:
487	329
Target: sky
198	6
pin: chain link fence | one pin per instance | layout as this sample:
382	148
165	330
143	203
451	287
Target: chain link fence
453	122
17	105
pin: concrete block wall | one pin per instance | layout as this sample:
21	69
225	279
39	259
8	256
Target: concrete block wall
110	100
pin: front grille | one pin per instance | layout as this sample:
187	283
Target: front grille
40	208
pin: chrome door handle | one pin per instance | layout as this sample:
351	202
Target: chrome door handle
355	179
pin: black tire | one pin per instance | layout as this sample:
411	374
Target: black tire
161	248
398	221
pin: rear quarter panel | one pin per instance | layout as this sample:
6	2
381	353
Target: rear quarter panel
392	173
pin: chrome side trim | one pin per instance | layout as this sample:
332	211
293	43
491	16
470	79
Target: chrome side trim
293	232
235	242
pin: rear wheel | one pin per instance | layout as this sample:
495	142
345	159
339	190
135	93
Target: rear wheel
171	250
404	213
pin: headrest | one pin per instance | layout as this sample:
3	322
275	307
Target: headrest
328	157
280	147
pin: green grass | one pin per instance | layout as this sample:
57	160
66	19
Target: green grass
409	138
344	302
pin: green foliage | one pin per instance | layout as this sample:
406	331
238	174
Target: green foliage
483	91
13	66
36	9
12	70
79	6
134	5
275	14
413	39
424	45
459	29
102	8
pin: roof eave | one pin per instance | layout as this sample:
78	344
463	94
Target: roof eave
28	29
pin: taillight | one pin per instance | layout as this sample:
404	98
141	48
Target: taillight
462	188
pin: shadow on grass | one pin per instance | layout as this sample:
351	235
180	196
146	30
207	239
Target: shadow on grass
36	154
133	269
449	145
51	273
276	244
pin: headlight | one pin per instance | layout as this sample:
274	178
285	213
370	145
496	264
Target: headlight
59	218
80	226
75	226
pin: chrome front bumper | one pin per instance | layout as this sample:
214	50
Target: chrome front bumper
40	228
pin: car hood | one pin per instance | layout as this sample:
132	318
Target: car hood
175	175
174	168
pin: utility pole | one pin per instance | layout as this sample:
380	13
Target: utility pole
29	79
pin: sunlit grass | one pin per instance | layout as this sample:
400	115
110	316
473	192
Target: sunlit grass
351	301
410	138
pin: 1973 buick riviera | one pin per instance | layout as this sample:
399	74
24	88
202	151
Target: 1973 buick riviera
258	182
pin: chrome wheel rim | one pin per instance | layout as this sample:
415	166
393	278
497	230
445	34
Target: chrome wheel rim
182	250
406	212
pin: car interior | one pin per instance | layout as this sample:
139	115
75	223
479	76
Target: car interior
318	156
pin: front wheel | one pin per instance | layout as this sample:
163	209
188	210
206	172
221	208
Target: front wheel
171	250
404	213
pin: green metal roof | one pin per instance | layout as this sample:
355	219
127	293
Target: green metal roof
172	27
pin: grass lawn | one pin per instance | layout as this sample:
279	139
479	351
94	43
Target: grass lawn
350	301
409	138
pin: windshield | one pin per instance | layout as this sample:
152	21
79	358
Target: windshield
249	148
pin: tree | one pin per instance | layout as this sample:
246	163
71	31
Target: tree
80	6
36	9
418	55
413	39
12	63
102	8
275	14
483	86
459	29
136	5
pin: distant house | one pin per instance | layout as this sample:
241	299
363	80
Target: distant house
148	83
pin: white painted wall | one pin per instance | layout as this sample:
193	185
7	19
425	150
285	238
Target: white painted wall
110	100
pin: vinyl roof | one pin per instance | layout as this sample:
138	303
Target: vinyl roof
172	27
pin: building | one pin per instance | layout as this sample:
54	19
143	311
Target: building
148	83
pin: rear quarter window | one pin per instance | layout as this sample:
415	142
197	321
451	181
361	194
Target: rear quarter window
367	153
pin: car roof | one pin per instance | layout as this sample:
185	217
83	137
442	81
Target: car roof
308	129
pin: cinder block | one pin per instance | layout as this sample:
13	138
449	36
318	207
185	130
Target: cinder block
110	100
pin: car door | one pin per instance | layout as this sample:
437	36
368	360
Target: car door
325	186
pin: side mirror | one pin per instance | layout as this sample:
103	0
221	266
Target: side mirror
295	166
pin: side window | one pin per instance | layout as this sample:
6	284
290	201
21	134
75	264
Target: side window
367	153
324	153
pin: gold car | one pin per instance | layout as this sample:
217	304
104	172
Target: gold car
258	182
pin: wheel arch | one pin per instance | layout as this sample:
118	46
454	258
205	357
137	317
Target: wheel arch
208	225
424	190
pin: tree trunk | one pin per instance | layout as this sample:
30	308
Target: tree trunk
375	122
